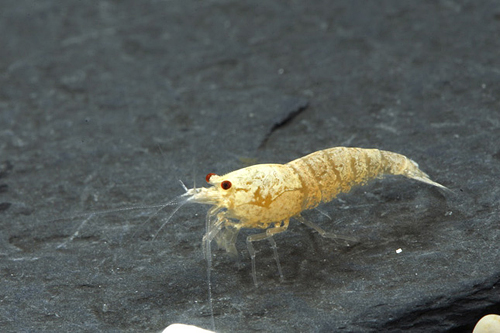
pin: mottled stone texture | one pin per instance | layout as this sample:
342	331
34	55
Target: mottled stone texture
107	104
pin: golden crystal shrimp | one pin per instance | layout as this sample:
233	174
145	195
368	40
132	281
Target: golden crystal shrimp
266	196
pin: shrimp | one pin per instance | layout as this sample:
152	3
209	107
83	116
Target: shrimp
267	196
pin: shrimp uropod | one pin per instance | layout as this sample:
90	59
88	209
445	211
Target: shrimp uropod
266	196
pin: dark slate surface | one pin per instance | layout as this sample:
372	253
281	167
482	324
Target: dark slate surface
108	104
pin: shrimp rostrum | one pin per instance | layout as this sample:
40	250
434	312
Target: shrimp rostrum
267	196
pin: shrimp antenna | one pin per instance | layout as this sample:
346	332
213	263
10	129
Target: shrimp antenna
165	220
161	150
184	186
194	173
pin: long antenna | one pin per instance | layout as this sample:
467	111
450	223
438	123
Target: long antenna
184	186
209	278
207	251
194	173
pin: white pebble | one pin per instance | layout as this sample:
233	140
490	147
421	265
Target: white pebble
488	324
182	328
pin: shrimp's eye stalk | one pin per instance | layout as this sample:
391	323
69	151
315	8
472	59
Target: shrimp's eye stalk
226	185
207	178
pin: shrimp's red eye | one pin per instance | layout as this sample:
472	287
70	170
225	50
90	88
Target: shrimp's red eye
207	178
226	185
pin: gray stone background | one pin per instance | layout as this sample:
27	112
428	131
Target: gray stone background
107	104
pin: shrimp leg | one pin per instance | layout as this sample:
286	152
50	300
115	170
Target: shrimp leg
278	227
214	224
322	232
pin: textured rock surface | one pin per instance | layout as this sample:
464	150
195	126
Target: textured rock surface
107	104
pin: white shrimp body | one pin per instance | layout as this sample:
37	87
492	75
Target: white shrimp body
266	196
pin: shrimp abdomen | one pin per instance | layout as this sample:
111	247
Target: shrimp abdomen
326	173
